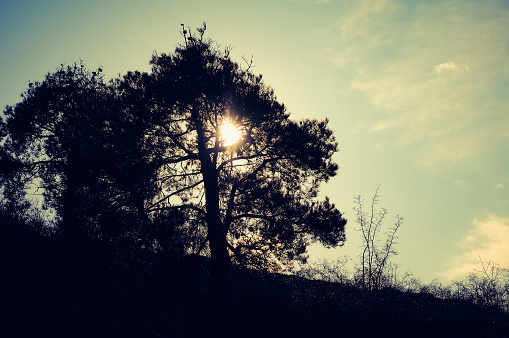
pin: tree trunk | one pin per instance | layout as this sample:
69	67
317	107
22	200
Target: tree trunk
69	226
220	260
219	257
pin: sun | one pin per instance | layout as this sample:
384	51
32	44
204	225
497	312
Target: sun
229	133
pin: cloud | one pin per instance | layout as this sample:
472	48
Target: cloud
381	125
448	66
436	77
356	33
488	240
357	22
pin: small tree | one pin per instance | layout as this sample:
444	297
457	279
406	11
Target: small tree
375	256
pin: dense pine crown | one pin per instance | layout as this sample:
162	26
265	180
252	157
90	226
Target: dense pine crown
267	182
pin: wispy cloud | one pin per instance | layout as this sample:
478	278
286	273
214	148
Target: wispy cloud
357	22
487	240
433	74
359	31
447	66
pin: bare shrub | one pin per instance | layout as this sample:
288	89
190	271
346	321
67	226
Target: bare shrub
374	269
327	270
487	287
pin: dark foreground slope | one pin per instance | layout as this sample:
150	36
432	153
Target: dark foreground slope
51	289
295	305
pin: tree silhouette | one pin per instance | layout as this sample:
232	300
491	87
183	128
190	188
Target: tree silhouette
73	138
143	157
256	199
53	133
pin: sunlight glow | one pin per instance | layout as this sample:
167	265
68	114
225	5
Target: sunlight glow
229	133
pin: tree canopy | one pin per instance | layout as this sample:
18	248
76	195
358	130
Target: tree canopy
144	156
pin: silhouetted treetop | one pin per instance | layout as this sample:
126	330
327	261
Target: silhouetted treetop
257	196
55	130
72	138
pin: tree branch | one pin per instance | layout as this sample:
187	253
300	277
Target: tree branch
182	206
176	193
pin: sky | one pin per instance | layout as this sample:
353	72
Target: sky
417	93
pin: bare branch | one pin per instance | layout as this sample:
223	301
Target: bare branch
167	197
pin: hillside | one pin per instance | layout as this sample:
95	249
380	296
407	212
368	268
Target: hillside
94	292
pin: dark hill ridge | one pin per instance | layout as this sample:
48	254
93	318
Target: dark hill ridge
101	292
298	305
